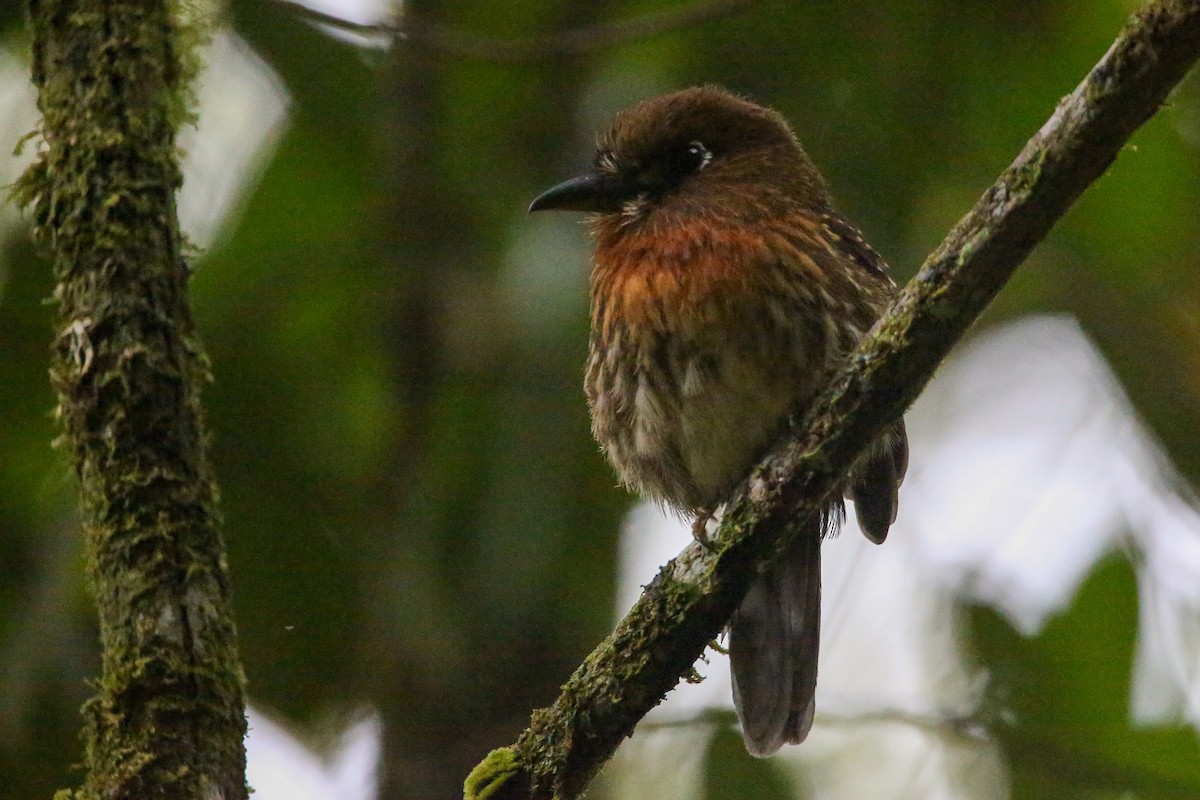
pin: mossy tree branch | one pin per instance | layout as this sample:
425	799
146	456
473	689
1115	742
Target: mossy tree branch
689	601
168	717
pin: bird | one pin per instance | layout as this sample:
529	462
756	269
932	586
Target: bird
726	290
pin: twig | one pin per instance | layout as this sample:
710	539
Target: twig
947	725
691	598
567	44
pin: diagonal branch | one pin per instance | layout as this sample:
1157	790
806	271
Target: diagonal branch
690	600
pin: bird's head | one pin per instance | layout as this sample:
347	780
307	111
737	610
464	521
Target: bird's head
700	151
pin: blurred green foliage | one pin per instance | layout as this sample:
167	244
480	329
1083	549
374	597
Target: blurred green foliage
1067	691
416	515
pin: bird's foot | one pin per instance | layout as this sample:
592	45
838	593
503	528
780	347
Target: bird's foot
700	528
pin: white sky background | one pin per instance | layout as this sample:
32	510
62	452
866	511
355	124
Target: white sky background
361	12
242	110
18	116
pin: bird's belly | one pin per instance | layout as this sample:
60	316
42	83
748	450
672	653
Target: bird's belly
723	432
685	430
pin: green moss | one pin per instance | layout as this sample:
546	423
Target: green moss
490	775
168	716
1022	180
195	23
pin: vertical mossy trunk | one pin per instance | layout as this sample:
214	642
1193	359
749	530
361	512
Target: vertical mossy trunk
168	717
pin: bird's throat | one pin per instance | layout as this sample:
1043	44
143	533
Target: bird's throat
665	277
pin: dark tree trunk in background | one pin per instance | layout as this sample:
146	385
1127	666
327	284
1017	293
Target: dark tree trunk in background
167	720
481	413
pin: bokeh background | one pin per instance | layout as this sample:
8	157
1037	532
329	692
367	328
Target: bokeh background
423	538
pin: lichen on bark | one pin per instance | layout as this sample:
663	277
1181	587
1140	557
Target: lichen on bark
168	716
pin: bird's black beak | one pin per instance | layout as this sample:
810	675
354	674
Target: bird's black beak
595	192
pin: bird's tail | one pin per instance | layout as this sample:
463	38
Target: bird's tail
773	640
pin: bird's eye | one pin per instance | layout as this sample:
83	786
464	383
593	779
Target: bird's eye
695	156
667	168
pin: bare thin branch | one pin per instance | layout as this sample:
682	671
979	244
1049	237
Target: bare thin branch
957	726
692	597
566	44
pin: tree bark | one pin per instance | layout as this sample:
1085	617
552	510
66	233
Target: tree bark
167	720
688	603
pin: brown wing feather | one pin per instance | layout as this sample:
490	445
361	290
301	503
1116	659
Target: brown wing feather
848	239
875	484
